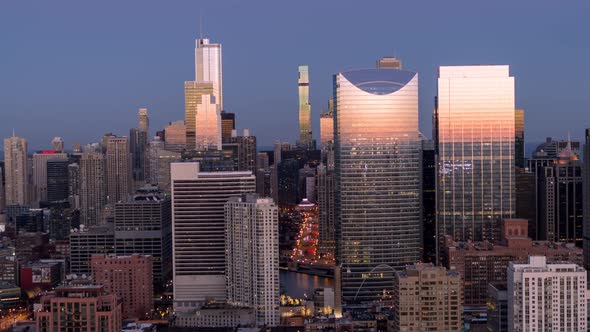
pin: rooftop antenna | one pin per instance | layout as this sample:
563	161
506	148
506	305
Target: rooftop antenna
201	25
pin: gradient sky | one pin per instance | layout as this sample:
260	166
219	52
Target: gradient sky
79	69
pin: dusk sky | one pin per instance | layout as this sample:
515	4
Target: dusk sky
80	69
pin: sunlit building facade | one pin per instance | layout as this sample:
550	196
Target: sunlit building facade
208	66
519	155
175	136
378	178
15	170
305	137
474	137
203	118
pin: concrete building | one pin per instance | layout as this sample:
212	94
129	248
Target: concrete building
199	255
40	160
86	242
58	145
15	170
216	315
252	264
143	225
480	263
92	188
74	185
84	308
427	298
128	277
118	170
544	296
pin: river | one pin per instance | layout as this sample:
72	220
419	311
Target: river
297	284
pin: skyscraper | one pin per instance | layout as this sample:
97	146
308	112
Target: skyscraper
57	180
246	146
228	125
57	144
519	158
252	265
208	67
545	296
138	141
428	202
144	121
175	139
305	137
199	256
474	134
586	178
118	161
203	117
378	178
40	160
2	185
327	138
92	187
325	198
15	163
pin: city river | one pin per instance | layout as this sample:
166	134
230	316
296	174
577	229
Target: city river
297	285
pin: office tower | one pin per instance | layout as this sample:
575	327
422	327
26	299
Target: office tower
262	161
92	188
57	180
252	265
77	148
40	160
128	277
208	67
327	138
480	263
88	241
198	221
560	200
526	199
586	194
228	125
246	148
264	182
305	136
428	202
474	126
203	117
378	178
144	121
497	307
62	219
427	298
57	144
519	157
175	139
15	169
389	63
277	151
74	307
545	296
160	160
326	204
288	182
138	142
118	161
74	185
144	226
2	186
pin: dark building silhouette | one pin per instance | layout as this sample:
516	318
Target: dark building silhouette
288	182
428	202
57	180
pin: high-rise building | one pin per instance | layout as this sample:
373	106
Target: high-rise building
79	308
544	296
15	169
144	226
519	157
203	117
561	200
57	180
118	161
288	182
246	148
326	206
160	160
199	255
389	63
480	263
474	137
40	160
586	178
228	125
92	188
252	265
175	139
85	242
57	144
138	143
327	138
128	277
144	121
428	202
2	186
427	298
497	307
305	136
526	199
208	67
378	178
74	185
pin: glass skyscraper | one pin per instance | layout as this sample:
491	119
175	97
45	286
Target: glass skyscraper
474	133
305	137
378	179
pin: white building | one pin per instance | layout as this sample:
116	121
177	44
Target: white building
198	231
252	265
546	296
208	66
15	169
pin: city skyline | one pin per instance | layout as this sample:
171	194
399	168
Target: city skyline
154	79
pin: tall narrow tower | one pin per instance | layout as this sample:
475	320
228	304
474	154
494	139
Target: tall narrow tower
208	66
15	158
144	120
305	138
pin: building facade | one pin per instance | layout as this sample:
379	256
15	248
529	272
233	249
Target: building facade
378	178
252	265
474	134
93	188
118	170
175	136
208	66
586	178
326	209
40	160
57	180
85	242
15	169
305	137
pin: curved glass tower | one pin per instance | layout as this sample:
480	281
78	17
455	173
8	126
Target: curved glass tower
378	179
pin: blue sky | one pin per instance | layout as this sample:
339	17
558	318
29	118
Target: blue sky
81	69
